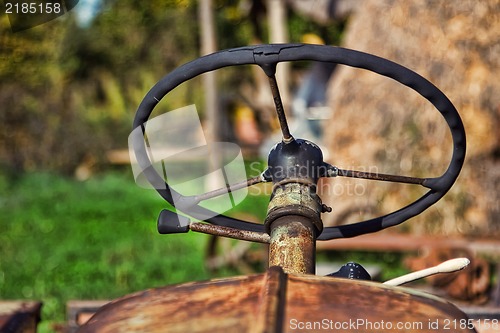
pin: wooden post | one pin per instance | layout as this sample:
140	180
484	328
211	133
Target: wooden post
208	45
278	33
213	119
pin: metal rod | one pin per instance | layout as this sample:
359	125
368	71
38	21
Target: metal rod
217	230
287	137
293	245
228	188
382	177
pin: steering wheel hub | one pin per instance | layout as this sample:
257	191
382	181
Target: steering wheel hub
298	161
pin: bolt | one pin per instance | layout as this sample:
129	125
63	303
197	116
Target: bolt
325	208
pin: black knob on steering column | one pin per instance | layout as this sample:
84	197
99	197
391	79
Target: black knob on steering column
296	160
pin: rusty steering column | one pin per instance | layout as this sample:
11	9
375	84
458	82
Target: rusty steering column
294	213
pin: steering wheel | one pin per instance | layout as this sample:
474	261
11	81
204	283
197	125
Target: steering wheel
267	56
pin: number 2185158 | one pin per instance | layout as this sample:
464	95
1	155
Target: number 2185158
480	324
33	8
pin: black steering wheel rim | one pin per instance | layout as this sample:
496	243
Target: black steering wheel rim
265	55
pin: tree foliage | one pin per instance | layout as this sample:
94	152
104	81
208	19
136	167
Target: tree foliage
31	95
68	92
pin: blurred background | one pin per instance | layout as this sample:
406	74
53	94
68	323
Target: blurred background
74	225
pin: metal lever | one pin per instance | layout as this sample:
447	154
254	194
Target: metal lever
172	223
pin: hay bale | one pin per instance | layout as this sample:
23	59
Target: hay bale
379	125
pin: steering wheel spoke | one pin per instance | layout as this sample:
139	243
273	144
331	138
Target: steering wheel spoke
280	110
382	177
430	183
229	188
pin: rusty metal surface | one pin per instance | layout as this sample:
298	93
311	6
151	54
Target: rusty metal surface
273	303
294	199
278	302
218	230
361	306
217	306
293	221
293	245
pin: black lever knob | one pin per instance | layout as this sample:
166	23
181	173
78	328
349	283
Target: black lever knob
172	223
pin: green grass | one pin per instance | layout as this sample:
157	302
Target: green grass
61	239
